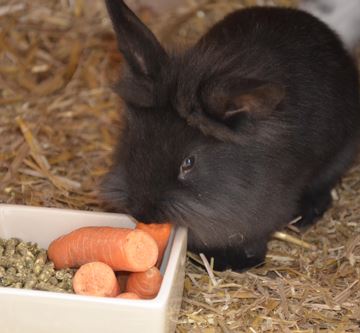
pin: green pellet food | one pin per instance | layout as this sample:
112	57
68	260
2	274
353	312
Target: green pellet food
26	265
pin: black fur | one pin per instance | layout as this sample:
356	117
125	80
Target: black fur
267	102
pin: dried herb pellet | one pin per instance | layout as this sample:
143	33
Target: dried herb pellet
26	265
10	246
49	287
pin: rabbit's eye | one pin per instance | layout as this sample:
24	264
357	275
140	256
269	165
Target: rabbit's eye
186	165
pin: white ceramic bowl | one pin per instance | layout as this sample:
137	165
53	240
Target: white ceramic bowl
31	311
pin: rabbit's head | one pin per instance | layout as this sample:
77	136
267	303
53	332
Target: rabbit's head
184	116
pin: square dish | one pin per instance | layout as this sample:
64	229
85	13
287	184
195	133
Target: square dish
32	311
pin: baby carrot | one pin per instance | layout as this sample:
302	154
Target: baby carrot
122	249
128	296
161	234
96	279
145	284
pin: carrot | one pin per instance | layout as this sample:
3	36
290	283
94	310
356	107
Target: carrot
122	249
161	234
96	279
128	296
145	284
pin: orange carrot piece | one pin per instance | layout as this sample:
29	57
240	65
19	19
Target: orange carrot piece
96	279
122	249
161	234
145	284
128	296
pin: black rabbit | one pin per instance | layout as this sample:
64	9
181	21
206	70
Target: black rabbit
239	134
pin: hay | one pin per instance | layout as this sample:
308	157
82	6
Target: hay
58	125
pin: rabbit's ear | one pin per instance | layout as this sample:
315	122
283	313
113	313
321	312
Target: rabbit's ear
138	44
256	98
258	103
224	103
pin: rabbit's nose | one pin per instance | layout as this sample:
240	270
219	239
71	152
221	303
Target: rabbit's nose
142	217
145	215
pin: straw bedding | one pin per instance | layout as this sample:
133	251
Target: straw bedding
59	121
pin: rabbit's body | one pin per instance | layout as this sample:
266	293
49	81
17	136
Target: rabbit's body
238	135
